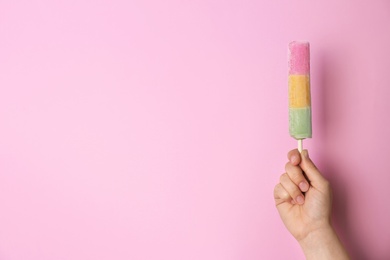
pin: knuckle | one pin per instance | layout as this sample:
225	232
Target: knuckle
296	175
282	177
280	192
287	166
276	188
297	178
284	195
294	191
288	187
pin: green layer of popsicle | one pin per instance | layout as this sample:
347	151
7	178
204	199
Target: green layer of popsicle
300	122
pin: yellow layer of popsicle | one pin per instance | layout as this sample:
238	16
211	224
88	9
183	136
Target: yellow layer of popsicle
299	91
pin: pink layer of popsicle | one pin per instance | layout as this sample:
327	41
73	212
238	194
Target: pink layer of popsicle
299	58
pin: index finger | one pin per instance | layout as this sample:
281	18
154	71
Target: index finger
294	157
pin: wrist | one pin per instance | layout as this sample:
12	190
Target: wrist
317	235
323	243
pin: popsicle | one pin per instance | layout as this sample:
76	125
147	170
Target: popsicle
299	91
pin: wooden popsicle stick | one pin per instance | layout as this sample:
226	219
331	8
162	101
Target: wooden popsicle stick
300	145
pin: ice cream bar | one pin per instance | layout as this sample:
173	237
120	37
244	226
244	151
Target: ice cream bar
299	91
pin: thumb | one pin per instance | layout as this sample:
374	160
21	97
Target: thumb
311	171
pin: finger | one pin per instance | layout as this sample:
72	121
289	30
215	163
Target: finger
296	175
281	194
294	156
292	189
311	171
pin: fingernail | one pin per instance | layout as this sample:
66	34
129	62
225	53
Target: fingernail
303	186
305	153
294	159
300	199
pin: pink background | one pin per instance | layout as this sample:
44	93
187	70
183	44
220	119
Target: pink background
158	129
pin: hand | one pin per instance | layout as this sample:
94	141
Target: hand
304	204
304	201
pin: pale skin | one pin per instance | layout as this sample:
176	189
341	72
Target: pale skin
303	198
